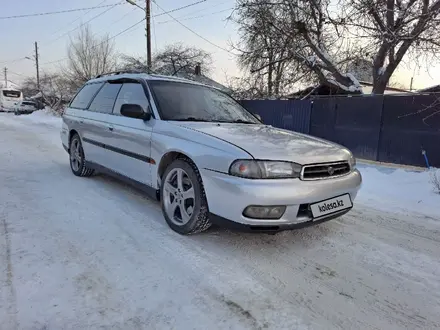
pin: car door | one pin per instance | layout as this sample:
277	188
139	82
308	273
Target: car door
130	140
95	126
78	119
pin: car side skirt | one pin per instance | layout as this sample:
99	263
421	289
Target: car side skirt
150	191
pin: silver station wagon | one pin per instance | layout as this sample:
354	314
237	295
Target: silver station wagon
206	158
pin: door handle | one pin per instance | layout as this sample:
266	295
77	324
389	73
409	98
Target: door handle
111	128
81	121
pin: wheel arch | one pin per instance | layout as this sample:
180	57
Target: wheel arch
167	159
72	133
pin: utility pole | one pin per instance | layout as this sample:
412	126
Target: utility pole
148	30
147	11
5	70
36	64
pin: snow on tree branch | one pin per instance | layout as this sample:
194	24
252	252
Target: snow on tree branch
316	36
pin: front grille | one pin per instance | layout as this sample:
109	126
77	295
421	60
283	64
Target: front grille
324	171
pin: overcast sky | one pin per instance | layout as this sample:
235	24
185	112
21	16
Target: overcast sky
51	32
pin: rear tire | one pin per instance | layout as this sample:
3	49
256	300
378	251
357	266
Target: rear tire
77	159
182	198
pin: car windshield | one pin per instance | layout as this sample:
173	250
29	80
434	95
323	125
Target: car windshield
184	101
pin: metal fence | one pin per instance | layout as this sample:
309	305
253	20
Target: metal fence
291	115
390	128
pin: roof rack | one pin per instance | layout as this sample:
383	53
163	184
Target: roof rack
112	73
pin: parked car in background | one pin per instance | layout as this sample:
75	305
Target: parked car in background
204	156
25	107
9	98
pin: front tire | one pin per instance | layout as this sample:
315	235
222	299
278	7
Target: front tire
182	198
77	159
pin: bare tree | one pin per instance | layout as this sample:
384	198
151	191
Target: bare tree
397	84
247	88
392	30
132	63
88	56
55	91
323	35
174	59
178	57
427	112
263	51
310	38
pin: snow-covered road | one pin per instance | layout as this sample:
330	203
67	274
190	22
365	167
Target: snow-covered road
93	253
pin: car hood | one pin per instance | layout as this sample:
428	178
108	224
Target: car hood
267	142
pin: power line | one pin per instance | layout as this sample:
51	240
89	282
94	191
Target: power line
81	16
59	12
50	42
14	60
203	9
112	5
176	9
195	33
17	74
200	16
81	25
122	17
154	33
106	40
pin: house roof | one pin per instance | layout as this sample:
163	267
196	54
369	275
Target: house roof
394	89
324	90
431	89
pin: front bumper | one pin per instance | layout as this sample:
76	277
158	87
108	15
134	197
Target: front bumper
228	196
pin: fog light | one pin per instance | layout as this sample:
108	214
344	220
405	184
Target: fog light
264	212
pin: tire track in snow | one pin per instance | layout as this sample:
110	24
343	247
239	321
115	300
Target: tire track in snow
10	293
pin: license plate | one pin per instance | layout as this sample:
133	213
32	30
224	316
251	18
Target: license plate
331	205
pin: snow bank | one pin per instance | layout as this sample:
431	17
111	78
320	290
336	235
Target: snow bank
398	190
46	116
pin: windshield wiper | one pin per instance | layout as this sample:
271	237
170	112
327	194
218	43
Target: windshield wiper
241	121
190	119
237	121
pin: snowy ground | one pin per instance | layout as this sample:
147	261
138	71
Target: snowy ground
93	253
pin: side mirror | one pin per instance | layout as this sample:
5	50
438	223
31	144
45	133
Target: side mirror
258	117
134	111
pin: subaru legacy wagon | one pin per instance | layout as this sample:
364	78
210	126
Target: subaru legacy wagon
206	158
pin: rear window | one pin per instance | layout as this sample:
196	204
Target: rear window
83	98
14	94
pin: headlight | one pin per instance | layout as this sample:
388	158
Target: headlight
265	169
352	162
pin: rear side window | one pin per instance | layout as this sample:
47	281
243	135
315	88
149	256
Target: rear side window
131	93
105	99
83	98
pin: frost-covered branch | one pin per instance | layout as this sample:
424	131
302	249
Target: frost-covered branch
384	32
